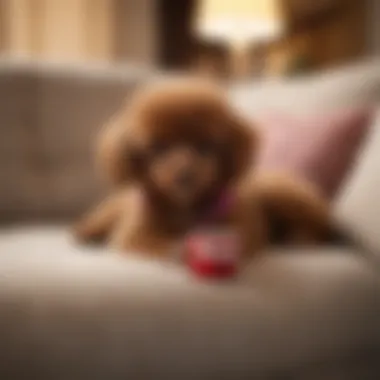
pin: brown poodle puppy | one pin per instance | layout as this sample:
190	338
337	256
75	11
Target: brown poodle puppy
173	153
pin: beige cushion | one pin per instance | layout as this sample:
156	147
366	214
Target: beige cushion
322	92
77	313
358	207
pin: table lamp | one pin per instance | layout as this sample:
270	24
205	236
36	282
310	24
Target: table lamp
239	24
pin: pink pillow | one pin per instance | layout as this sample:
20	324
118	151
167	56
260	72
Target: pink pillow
320	149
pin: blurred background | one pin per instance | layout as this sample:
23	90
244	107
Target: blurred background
218	37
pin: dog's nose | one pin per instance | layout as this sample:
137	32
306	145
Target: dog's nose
185	179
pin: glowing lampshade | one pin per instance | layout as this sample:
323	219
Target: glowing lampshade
239	21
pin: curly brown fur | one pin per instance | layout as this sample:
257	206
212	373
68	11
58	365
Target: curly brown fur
296	211
170	153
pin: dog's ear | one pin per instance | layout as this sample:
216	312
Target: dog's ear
242	146
117	153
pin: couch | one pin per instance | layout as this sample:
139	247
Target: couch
80	312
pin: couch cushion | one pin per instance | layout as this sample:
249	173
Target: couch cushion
79	313
358	207
50	114
319	148
338	88
20	149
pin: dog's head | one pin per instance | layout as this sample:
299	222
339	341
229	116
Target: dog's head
180	139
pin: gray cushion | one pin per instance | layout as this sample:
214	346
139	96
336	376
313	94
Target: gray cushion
49	117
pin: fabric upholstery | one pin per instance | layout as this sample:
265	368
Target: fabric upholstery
358	207
77	313
50	115
353	86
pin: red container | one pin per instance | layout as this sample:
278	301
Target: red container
213	253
